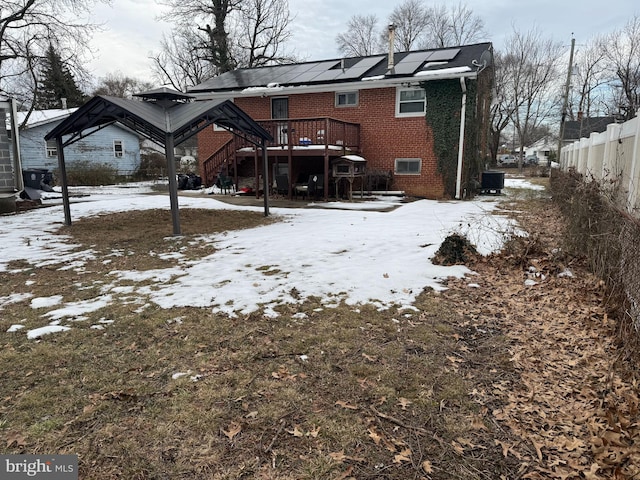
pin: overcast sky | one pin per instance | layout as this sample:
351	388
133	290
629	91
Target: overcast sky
132	30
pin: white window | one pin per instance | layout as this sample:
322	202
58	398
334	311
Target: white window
216	128
346	99
52	148
410	102
408	166
118	148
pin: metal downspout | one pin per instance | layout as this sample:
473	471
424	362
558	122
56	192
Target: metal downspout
463	113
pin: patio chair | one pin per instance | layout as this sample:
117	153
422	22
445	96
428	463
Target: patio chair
315	186
301	187
225	183
282	185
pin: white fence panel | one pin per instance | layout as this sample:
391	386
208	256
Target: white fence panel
613	159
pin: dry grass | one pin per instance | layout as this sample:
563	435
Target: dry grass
317	393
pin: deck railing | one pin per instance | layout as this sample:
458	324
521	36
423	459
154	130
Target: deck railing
289	133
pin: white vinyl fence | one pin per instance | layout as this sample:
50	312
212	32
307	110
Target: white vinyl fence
611	158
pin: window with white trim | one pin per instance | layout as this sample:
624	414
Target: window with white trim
408	166
410	102
346	99
52	148
118	148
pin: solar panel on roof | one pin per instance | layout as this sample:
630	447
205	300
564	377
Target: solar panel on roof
441	55
410	63
314	71
283	74
360	68
328	75
293	75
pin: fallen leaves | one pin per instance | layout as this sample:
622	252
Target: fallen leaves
340	457
403	456
232	430
346	405
15	440
573	416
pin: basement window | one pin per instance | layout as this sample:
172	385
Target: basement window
346	99
410	102
408	166
118	148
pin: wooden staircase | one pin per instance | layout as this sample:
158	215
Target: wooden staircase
213	165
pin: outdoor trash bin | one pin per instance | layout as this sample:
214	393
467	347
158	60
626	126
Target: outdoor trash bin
38	178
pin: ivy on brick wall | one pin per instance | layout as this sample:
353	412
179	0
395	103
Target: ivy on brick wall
444	99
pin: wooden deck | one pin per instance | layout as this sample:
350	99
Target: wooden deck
319	137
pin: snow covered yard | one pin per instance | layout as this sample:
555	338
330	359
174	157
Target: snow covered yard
335	252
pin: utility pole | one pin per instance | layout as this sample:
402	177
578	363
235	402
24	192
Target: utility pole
565	101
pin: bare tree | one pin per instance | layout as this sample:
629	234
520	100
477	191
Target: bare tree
119	85
263	30
531	69
411	20
28	28
361	37
622	54
438	31
181	61
588	79
503	104
227	34
211	18
452	26
466	27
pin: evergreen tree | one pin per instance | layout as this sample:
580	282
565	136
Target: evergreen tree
56	83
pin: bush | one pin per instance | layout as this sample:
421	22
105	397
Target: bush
87	173
152	166
607	237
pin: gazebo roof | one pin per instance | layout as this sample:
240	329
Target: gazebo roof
164	116
160	113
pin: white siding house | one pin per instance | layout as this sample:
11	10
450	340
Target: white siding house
541	149
113	145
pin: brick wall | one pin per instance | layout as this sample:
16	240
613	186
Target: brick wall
383	137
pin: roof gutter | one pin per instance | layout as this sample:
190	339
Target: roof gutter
463	112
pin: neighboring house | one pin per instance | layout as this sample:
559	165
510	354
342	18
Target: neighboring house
541	149
113	145
584	127
401	114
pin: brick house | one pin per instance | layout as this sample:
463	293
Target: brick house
399	112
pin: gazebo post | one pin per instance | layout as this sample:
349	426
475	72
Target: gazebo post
65	186
265	177
173	184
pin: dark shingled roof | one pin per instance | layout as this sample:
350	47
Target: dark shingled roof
352	69
577	129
